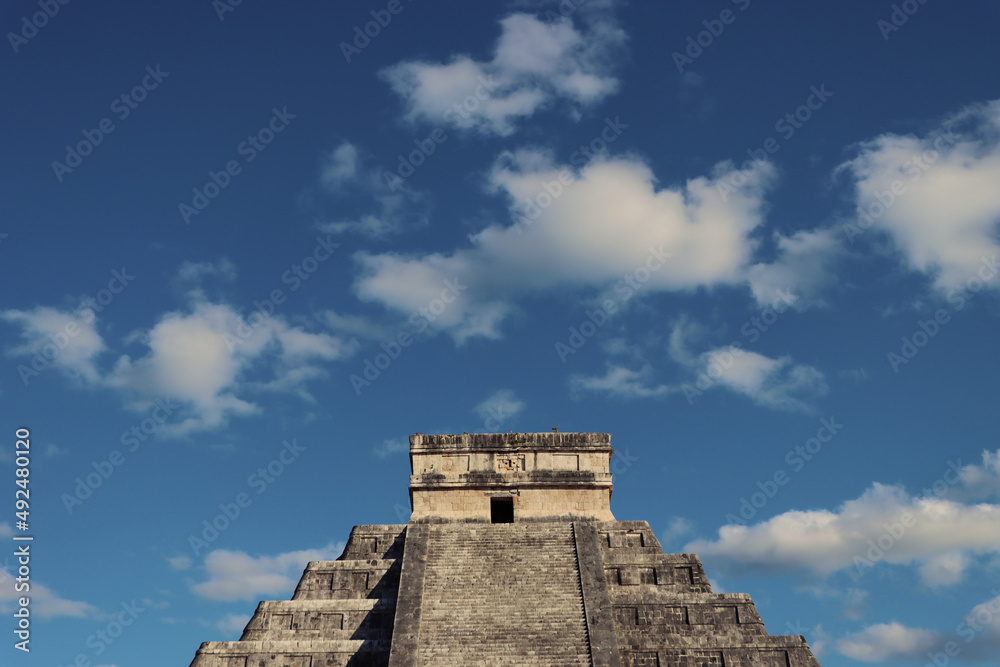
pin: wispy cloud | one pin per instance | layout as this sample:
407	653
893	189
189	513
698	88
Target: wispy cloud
775	383
207	356
350	176
391	446
236	575
536	64
46	603
502	405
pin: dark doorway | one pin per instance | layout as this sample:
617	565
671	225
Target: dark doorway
502	510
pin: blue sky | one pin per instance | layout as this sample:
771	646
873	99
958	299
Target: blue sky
248	249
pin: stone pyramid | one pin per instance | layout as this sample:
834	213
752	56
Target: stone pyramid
511	558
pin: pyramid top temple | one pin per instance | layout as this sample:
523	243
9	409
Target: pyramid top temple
530	476
511	558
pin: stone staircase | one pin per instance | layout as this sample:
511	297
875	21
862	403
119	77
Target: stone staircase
340	616
665	612
502	595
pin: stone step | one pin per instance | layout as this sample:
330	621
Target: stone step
349	579
502	595
368	542
290	620
329	653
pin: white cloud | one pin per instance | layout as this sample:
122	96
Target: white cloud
677	527
621	382
944	570
857	375
803	265
502	405
45	603
340	166
232	625
818	639
67	340
535	64
235	575
390	447
888	641
978	481
938	536
208	357
606	220
855	603
692	79
345	174
944	213
195	272
355	325
179	562
48	604
975	640
778	384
